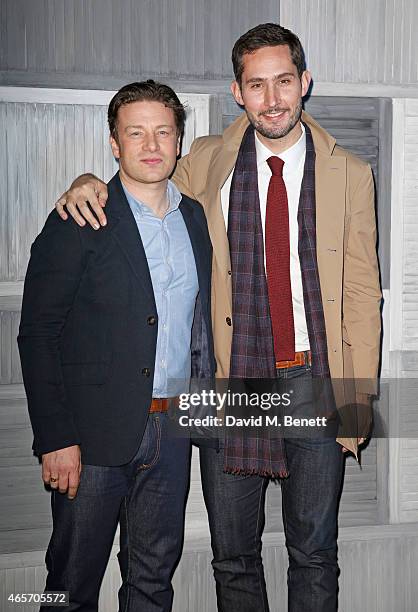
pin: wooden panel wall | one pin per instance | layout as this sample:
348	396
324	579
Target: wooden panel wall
410	279
24	504
43	151
404	265
10	372
357	41
132	38
403	475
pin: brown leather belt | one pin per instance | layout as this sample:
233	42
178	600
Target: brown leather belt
301	358
162	404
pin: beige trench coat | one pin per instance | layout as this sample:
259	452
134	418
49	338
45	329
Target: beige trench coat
346	252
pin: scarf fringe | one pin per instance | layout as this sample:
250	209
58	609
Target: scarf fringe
255	472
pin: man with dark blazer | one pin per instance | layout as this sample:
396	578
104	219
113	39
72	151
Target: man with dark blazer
113	325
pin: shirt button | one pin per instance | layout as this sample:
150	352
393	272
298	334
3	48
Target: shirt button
151	320
229	272
228	321
146	372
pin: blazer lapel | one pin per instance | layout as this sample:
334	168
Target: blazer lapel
125	232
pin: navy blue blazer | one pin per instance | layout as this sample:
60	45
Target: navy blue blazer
88	331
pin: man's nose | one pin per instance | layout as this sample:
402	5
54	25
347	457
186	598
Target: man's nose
272	96
151	142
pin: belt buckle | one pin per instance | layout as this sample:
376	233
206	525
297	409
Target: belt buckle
301	358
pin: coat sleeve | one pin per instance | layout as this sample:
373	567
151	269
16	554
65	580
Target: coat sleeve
361	287
192	169
55	269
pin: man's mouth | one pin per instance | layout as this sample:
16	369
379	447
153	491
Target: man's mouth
274	114
152	161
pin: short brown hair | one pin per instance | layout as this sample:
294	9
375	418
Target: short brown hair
266	35
146	90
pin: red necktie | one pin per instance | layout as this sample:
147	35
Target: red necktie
278	264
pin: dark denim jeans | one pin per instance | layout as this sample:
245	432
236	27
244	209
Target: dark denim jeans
148	497
310	498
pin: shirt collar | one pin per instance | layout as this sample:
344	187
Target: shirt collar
292	157
173	195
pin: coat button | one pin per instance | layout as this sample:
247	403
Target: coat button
146	372
229	272
228	321
151	320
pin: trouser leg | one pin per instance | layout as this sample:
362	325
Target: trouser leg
235	506
152	521
310	507
82	537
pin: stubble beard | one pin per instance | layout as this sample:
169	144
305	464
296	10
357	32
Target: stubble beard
276	132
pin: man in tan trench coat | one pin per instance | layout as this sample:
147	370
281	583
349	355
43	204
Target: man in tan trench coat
270	82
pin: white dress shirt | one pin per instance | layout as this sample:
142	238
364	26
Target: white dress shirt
294	162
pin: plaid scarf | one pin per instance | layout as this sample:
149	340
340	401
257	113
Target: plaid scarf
312	299
252	353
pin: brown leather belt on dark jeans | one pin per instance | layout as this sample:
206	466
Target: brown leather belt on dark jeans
301	358
162	404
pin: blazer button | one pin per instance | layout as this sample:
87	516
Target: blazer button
228	321
151	320
146	372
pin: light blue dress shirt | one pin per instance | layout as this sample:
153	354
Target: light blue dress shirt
174	280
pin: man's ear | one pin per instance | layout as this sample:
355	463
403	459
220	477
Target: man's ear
305	79
178	146
236	92
115	147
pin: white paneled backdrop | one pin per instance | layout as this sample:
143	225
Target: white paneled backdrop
410	267
357	41
403	473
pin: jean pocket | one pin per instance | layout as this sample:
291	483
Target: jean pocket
154	445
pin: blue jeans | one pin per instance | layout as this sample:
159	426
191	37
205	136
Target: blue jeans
147	496
310	497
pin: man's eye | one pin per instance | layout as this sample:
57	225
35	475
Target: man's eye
135	133
163	133
285	81
255	85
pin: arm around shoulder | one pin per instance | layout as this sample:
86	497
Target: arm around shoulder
86	191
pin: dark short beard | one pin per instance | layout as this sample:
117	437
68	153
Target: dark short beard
277	133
